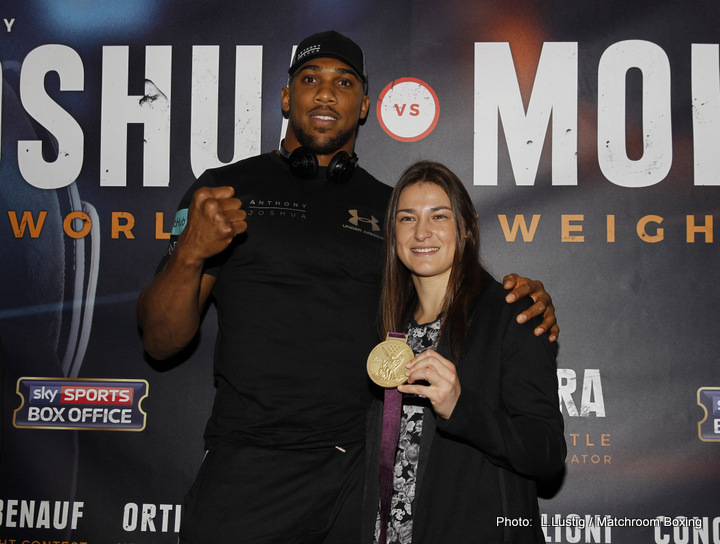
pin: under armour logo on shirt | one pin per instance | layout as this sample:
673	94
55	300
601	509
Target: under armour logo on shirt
355	219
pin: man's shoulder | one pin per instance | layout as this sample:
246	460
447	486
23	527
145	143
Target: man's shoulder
252	165
368	179
272	164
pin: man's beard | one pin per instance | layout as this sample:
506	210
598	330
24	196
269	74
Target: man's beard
322	147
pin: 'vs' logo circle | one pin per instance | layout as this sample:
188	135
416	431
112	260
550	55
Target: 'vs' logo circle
408	109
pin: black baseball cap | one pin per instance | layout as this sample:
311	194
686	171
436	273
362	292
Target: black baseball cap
330	44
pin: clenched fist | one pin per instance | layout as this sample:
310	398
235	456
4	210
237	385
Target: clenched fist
215	217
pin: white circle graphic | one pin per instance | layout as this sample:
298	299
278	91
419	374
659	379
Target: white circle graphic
408	109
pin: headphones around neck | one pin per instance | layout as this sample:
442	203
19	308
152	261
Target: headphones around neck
303	163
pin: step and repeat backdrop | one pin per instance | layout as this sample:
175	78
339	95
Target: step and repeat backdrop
588	135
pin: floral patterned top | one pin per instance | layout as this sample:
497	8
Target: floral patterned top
400	522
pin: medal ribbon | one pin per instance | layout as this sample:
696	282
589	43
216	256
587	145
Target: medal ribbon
390	433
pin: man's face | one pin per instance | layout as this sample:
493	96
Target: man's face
325	102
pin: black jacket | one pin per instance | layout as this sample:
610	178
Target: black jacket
477	471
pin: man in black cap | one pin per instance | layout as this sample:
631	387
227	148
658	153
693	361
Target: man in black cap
296	299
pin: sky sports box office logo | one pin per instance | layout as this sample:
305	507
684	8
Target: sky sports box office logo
57	403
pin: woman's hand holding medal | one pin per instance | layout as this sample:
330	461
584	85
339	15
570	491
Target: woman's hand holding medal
443	389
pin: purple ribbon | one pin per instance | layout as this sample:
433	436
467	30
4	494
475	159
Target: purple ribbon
390	432
388	447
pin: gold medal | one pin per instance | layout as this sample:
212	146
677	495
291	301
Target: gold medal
386	362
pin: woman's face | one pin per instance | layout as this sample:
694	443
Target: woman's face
425	230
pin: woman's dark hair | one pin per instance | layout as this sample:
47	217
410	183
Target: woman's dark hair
467	278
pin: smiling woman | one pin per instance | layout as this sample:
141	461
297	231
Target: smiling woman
425	230
477	422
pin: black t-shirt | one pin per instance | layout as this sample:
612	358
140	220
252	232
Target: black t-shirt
296	297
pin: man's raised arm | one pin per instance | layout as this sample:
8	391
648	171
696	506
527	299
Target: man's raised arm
169	309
